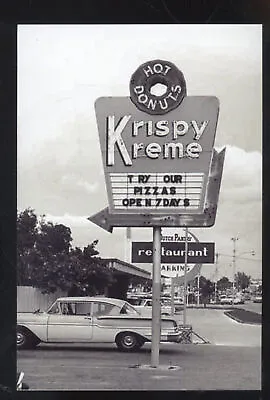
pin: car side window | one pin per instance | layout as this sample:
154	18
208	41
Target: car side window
105	309
67	308
55	309
83	308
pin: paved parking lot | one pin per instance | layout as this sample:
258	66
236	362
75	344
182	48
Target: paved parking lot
231	362
96	367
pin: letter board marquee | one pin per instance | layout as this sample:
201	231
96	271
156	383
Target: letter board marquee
157	163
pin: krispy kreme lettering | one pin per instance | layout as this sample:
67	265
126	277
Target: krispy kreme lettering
173	130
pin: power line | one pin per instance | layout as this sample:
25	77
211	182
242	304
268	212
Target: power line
249	259
239	257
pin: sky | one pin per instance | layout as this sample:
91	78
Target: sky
63	69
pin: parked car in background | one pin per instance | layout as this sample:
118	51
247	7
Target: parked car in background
257	298
178	304
145	306
143	302
238	300
92	320
247	296
224	299
179	300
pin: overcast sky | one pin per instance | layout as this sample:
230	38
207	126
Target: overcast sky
62	69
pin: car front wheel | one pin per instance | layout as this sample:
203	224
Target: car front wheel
25	340
128	341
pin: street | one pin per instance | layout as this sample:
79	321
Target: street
231	362
250	306
219	329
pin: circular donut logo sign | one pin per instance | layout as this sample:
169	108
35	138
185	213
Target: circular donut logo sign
147	76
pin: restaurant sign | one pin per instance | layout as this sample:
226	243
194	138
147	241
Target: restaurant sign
173	252
157	150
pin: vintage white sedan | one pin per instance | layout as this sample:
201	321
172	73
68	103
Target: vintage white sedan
92	320
231	300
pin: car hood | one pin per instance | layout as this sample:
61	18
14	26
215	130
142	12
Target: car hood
31	316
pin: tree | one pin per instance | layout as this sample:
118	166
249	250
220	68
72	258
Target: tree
27	231
242	280
223	284
42	251
47	261
53	238
94	275
206	289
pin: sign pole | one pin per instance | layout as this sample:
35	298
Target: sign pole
172	295
216	272
156	323
185	277
128	245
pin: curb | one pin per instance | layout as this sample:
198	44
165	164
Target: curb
240	320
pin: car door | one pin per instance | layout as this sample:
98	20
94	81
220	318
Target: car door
102	333
70	322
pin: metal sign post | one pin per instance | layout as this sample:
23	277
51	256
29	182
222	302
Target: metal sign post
185	278
128	245
172	295
156	323
216	272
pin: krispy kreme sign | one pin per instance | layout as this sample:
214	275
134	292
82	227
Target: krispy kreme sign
156	150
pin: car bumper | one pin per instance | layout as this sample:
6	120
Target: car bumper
184	335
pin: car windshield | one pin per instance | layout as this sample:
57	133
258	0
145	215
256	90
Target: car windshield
128	309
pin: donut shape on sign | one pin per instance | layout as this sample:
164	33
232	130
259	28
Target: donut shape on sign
148	75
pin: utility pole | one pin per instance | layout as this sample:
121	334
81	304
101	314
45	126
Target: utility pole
198	287
216	273
234	239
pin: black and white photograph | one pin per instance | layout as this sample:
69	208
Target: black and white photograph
139	207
